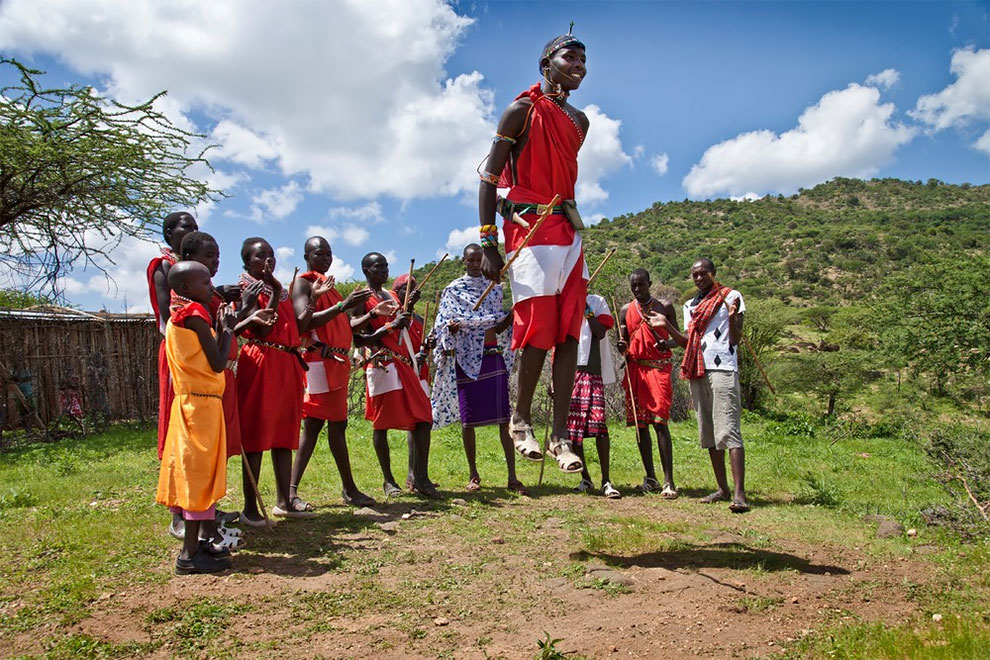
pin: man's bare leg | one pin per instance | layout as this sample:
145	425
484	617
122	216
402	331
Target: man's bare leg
379	439
307	443
421	475
737	457
718	466
470	452
510	458
253	463
645	445
602	443
337	440
282	463
666	449
530	367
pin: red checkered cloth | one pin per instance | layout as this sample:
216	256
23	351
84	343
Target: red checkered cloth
693	365
586	418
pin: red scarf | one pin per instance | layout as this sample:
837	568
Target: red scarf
693	365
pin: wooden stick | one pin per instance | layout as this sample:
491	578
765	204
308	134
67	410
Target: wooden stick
292	283
254	485
608	256
546	440
546	214
757	361
632	395
405	304
433	270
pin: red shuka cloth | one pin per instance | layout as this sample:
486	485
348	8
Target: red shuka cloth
405	407
651	385
231	414
546	167
165	393
332	405
693	364
270	385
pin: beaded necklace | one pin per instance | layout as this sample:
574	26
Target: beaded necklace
247	279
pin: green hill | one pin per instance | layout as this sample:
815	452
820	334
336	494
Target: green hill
827	245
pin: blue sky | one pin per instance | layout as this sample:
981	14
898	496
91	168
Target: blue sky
365	121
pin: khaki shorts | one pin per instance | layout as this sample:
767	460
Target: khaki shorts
717	405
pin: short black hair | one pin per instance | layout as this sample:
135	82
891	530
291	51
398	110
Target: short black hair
246	247
642	272
195	241
313	239
366	259
171	220
469	247
709	264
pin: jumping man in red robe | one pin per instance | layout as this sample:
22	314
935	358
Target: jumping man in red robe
534	154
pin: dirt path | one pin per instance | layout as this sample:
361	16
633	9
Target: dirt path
486	578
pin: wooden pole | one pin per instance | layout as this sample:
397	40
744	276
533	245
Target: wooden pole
405	303
625	357
295	274
608	256
543	216
757	361
254	485
432	270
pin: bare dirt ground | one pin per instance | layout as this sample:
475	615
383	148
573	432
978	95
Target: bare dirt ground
486	578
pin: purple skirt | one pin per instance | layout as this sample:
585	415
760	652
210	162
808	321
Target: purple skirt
485	401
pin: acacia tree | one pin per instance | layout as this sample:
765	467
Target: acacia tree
79	172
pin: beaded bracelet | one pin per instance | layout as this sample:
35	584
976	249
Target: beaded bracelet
488	243
488	229
488	177
503	138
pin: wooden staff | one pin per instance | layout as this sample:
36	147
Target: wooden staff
254	485
292	283
757	361
543	216
632	396
546	438
432	270
608	256
405	304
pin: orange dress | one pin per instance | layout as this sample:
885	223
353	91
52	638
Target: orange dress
193	473
231	415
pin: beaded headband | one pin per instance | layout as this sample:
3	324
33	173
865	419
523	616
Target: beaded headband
563	41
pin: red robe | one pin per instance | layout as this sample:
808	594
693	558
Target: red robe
165	393
403	401
416	337
231	414
327	377
547	166
651	384
270	385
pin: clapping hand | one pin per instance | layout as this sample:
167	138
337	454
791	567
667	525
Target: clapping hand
227	317
356	298
264	317
322	288
249	296
384	308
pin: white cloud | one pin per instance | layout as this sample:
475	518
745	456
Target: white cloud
128	288
276	202
847	133
341	270
458	239
593	219
370	212
659	163
240	145
965	100
748	197
351	98
600	155
983	144
284	252
885	79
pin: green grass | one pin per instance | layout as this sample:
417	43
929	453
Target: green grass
78	523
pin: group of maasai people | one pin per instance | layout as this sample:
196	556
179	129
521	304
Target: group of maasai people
221	396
